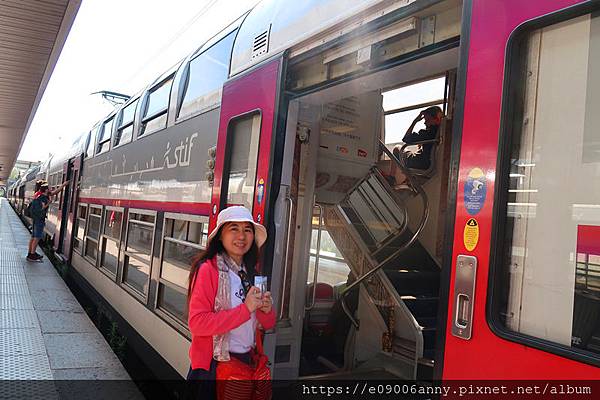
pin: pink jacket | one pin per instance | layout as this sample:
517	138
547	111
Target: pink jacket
204	322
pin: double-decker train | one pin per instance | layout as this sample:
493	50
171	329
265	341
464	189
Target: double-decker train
486	265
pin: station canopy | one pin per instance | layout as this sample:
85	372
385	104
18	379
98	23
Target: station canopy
32	34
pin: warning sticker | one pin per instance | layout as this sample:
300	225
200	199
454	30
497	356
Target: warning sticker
471	234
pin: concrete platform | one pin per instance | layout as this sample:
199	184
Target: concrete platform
44	332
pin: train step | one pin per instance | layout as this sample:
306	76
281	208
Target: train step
425	306
425	368
429	338
414	282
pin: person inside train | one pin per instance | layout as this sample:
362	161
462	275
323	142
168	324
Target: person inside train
420	159
227	313
39	209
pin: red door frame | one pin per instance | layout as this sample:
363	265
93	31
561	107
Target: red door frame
486	355
256	91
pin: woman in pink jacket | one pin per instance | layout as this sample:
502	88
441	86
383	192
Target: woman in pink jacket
224	308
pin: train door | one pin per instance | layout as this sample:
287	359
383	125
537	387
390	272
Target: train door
244	172
363	247
524	286
62	209
69	207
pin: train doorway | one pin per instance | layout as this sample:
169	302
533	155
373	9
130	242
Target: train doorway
365	247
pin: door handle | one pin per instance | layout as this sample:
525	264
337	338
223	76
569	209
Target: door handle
464	290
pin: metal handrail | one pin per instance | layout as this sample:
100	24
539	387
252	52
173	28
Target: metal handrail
316	271
424	172
419	190
288	199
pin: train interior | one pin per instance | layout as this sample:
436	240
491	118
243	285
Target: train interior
360	208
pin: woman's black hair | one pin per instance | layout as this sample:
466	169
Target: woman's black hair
215	247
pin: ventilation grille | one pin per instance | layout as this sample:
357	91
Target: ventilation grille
261	43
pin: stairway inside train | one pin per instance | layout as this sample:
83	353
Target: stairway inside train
377	215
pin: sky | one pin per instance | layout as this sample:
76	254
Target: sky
121	46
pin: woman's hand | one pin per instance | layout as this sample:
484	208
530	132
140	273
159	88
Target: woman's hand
253	299
267	303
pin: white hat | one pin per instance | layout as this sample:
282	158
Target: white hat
239	214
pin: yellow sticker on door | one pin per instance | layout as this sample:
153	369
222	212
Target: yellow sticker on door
471	234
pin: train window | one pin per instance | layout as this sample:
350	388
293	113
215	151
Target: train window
125	129
155	115
549	201
403	104
138	251
93	232
110	240
79	227
89	151
242	143
104	137
183	238
206	74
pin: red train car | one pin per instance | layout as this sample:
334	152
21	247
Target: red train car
450	270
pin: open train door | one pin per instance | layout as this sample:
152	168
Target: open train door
63	200
246	171
68	212
522	302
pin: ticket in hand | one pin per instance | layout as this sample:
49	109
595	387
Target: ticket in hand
261	283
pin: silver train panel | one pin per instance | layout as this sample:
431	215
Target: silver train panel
172	346
165	166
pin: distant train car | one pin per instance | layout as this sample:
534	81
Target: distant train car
453	270
26	190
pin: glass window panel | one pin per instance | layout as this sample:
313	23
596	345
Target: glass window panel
80	228
142	217
112	224
179	229
328	247
124	135
396	125
159	98
139	240
207	72
104	139
406	96
110	256
106	130
331	271
93	226
155	124
128	113
95	211
91	249
177	259
196	233
136	274
243	141
173	301
553	295
89	152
